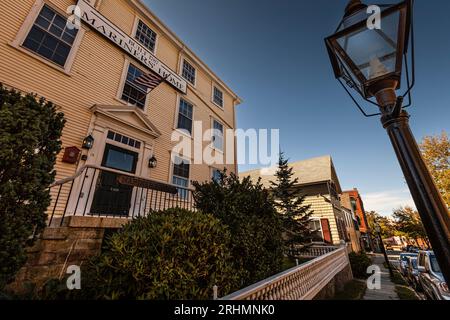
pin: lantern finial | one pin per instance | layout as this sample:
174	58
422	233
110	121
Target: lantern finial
354	6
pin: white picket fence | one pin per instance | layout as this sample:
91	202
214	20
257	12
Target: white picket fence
302	282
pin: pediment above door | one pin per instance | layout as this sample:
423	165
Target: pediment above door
129	116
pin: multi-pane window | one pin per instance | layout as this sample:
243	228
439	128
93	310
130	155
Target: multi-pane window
185	116
188	72
217	135
146	36
50	37
218	97
180	176
316	230
216	175
124	139
134	93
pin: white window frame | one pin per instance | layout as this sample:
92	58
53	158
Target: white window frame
183	60
26	28
212	134
172	175
177	115
320	226
214	86
123	80
134	32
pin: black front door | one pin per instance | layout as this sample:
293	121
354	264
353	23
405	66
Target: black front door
111	197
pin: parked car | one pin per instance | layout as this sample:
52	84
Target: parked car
413	273
403	262
430	277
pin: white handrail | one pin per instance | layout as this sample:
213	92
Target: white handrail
302	282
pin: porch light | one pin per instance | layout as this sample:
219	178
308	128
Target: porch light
370	60
88	142
152	162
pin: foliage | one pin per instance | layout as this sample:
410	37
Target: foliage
359	263
387	225
171	254
353	290
397	278
408	221
249	213
289	201
405	293
30	131
436	153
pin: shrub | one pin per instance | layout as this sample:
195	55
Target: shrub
359	263
30	132
172	254
255	227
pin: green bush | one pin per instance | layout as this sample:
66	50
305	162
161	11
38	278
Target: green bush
172	254
255	226
30	131
359	263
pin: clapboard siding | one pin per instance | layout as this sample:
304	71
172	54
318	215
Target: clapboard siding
96	76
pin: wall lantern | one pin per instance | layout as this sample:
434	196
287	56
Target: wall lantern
152	162
88	142
369	58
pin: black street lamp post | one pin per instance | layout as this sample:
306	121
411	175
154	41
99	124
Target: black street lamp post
383	249
370	61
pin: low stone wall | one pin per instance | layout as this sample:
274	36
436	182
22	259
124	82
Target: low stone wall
59	247
336	284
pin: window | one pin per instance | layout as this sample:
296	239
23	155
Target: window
180	176
124	139
146	36
218	97
185	115
316	230
217	135
216	175
120	159
50	38
133	93
188	72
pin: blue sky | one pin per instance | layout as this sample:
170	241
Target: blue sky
272	54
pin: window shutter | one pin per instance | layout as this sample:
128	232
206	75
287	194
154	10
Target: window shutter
326	230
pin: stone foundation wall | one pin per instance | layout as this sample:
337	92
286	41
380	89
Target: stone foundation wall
56	249
336	284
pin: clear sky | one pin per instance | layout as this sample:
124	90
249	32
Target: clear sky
272	54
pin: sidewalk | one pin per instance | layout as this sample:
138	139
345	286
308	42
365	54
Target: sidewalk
387	291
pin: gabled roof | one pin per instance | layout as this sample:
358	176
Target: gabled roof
309	171
128	115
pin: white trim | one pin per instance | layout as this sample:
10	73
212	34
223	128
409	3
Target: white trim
122	83
26	28
177	115
172	163
214	86
193	65
134	31
223	135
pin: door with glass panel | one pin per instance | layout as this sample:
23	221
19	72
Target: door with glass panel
111	197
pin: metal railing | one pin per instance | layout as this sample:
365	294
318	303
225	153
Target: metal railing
99	192
302	282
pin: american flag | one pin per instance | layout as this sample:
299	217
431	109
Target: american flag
150	80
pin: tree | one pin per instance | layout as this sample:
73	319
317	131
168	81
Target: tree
249	213
407	220
30	131
173	254
295	216
436	153
387	227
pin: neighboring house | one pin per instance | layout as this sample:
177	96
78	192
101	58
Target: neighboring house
352	200
90	73
351	224
317	179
